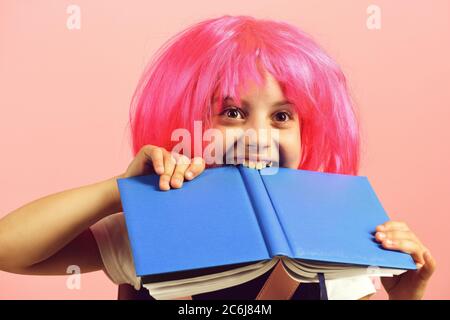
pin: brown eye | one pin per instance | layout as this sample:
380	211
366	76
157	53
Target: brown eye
233	113
282	116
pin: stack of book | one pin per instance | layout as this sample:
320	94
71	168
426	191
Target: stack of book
232	224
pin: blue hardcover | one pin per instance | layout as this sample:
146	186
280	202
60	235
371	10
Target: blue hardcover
232	215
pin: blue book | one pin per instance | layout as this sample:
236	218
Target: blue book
232	223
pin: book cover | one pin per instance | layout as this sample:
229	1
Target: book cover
231	216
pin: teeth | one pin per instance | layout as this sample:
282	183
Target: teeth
257	164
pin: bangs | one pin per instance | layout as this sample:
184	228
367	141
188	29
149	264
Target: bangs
244	62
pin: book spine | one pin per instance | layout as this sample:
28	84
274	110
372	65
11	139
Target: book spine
269	224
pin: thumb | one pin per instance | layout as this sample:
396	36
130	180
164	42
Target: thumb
427	270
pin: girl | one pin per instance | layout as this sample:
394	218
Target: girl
232	73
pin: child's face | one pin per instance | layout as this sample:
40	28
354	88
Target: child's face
261	109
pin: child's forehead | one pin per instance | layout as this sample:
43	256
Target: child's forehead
269	90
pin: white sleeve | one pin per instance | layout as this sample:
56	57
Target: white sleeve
351	288
114	246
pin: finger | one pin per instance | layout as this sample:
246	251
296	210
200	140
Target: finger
183	163
392	225
408	246
196	167
169	166
428	268
395	235
156	156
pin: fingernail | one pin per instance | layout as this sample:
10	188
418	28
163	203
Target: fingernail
188	174
165	186
389	242
381	235
381	227
419	265
177	181
164	182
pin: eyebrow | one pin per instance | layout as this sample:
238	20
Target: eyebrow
276	104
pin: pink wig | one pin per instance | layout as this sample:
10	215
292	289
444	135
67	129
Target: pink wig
218	56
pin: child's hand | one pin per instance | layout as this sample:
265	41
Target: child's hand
172	167
395	235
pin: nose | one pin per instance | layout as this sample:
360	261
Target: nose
258	142
257	148
260	133
259	139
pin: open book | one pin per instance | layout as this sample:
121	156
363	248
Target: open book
232	224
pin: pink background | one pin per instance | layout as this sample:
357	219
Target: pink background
64	98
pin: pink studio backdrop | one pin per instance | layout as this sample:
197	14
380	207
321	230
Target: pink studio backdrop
64	98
